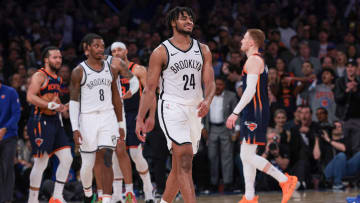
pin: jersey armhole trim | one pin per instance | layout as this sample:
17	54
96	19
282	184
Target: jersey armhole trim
202	55
109	67
84	75
168	57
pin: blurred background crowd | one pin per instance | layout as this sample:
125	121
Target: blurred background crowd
312	51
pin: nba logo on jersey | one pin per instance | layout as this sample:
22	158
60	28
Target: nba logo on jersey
251	125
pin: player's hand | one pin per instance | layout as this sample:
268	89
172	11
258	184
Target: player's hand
203	108
127	95
2	133
230	123
149	124
77	137
204	133
140	130
122	133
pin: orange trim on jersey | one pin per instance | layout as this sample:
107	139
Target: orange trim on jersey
258	93
58	149
44	86
53	76
132	147
244	70
259	143
39	128
254	100
130	64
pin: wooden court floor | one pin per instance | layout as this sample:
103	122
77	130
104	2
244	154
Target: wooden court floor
275	197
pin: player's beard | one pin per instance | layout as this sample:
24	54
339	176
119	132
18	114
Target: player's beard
53	68
184	32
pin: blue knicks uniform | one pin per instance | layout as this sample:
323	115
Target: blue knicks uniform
131	106
44	126
255	116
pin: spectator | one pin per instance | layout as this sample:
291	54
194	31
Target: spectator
340	65
322	117
296	121
286	31
220	145
292	51
319	48
341	164
327	62
322	95
9	118
272	53
347	97
278	154
296	63
302	157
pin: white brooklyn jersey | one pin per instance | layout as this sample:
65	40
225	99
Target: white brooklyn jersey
95	93
180	80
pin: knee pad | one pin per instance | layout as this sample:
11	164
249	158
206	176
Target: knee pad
108	157
137	156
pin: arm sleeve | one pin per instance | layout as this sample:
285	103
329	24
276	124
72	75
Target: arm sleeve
251	82
15	111
74	111
134	84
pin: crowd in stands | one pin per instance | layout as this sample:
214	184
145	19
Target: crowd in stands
312	53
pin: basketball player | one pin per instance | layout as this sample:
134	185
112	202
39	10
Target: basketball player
45	127
131	105
254	106
183	64
121	154
95	108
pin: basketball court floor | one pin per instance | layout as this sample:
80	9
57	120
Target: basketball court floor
275	197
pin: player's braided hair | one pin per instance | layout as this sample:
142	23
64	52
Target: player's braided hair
175	13
88	39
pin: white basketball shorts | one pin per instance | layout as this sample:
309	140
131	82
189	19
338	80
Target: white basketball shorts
98	130
180	124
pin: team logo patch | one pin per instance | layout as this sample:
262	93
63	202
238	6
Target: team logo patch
39	141
251	125
3	96
113	139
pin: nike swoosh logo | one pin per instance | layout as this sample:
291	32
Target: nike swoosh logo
196	51
174	54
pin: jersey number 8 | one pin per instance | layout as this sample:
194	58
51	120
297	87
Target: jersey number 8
101	92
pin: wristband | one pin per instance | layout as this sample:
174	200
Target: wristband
53	105
122	124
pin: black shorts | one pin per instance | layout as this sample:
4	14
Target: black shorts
131	138
46	135
253	132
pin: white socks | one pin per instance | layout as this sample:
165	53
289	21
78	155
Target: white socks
148	187
33	196
106	198
129	188
163	201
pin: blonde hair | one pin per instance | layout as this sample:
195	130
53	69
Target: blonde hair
258	36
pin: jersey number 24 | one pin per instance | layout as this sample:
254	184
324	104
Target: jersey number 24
189	81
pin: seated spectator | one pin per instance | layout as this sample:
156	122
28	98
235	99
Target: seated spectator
323	119
341	164
277	153
296	121
327	62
